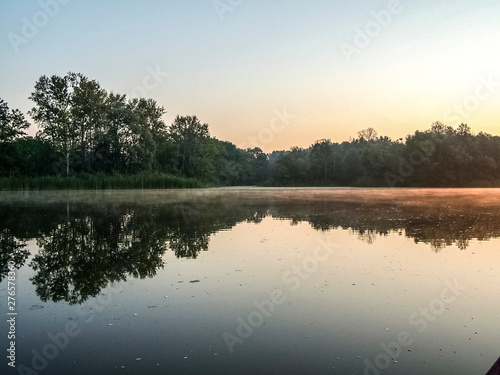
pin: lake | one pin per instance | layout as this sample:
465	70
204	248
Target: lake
251	281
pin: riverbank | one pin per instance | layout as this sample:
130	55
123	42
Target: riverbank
99	182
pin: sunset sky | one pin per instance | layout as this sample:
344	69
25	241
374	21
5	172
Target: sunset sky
273	74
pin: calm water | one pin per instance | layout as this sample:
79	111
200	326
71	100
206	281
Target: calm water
252	281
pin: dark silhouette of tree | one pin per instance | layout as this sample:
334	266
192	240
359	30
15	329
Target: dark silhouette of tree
192	137
87	131
12	123
322	160
88	114
368	135
52	112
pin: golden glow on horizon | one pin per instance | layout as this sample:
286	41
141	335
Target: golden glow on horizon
396	93
235	75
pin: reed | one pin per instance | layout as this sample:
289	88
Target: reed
99	182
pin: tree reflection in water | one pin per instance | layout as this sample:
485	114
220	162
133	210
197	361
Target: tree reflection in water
12	249
84	247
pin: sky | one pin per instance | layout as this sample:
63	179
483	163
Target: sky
272	74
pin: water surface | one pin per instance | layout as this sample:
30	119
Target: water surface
223	281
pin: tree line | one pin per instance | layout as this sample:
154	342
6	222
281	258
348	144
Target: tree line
85	131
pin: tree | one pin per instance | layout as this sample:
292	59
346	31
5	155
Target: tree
260	165
234	165
12	126
148	114
292	167
440	128
88	114
167	155
322	160
142	134
110	143
12	123
368	134
52	112
34	156
463	130
190	134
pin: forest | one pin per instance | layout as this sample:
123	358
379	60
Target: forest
90	138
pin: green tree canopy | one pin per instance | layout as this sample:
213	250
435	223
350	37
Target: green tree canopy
12	123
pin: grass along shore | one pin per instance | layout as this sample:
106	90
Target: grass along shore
99	182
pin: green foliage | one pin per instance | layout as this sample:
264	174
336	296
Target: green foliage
27	156
98	182
292	168
453	157
439	157
12	123
259	166
52	112
93	139
192	137
235	166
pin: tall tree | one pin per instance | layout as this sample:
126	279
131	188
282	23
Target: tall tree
143	133
260	165
190	134
52	112
12	123
88	114
148	114
322	160
368	134
110	142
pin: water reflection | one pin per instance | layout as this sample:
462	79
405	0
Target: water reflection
84	247
12	249
81	256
